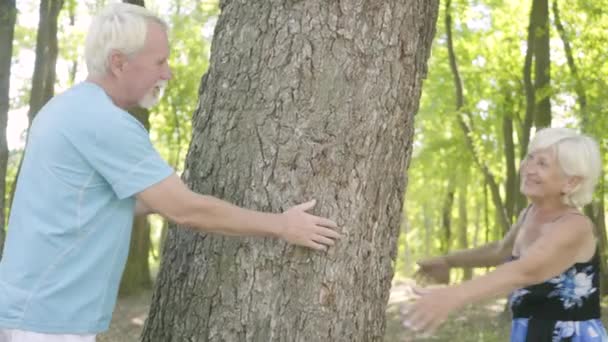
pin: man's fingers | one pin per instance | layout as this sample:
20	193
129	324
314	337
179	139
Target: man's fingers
305	206
324	222
317	246
328	233
323	240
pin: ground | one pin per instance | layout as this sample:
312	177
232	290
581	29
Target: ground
476	323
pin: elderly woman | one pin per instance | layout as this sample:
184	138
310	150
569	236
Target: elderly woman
554	265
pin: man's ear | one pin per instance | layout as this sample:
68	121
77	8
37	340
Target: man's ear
116	62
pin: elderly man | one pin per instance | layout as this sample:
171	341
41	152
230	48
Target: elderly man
88	167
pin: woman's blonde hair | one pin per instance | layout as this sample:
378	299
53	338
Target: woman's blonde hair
578	155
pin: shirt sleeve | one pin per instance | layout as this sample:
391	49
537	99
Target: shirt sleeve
120	150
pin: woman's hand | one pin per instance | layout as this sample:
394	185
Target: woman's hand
431	308
436	269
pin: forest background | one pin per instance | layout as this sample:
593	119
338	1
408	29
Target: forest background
498	70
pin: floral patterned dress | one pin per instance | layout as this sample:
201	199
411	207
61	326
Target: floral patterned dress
564	308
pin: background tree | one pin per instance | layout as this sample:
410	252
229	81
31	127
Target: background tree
136	275
305	99
43	78
8	14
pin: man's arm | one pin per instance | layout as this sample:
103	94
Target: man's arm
141	209
173	200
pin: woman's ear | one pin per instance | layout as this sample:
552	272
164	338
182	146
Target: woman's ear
572	184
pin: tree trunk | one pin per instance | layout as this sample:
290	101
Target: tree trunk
73	69
137	270
446	217
579	86
542	65
538	92
501	215
8	15
463	223
428	228
136	276
511	186
306	99
43	79
528	83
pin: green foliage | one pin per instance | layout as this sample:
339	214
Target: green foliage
490	44
171	119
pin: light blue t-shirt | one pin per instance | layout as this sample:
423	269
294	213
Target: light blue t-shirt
70	223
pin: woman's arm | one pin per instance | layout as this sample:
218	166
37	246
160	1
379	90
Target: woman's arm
489	255
551	254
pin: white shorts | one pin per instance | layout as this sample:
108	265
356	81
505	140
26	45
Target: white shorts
13	335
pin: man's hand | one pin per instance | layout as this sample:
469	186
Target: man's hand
437	269
304	229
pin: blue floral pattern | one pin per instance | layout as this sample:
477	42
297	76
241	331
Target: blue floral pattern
563	308
564	329
572	287
517	296
580	331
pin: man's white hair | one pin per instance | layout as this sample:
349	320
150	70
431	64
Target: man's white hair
577	155
118	27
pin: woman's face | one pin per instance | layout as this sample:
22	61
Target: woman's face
541	175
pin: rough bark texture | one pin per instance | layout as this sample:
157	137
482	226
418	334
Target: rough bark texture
303	99
8	14
43	79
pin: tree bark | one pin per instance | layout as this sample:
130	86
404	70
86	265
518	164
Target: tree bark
303	99
43	79
8	15
528	83
542	65
463	222
579	88
137	270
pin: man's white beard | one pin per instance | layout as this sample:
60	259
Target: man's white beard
153	96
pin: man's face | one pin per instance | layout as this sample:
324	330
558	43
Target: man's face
152	97
146	73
